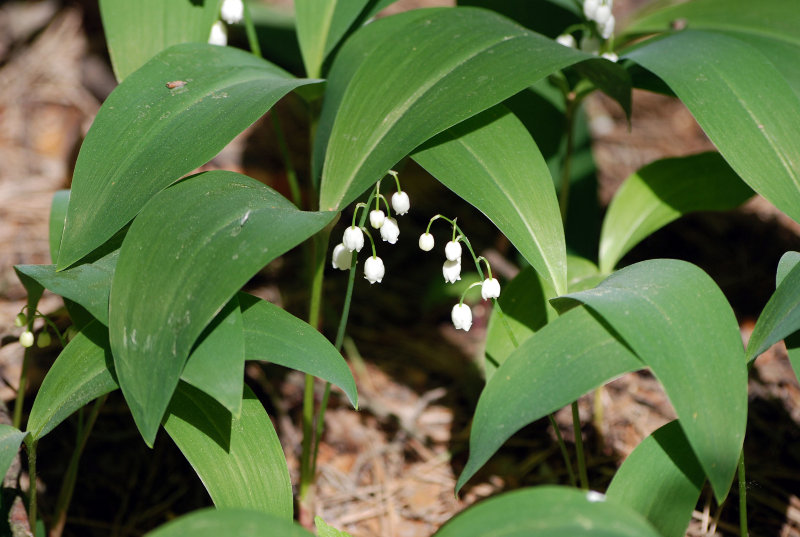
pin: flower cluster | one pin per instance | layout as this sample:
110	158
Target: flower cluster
232	12
597	32
26	338
353	239
461	315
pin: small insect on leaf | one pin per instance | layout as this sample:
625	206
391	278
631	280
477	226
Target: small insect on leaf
176	84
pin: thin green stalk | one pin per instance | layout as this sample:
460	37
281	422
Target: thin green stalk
566	170
576	424
291	174
23	384
742	498
252	38
32	487
563	446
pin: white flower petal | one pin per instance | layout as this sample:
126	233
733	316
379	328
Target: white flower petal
374	269
490	288
376	218
426	242
452	250
353	238
232	11
400	203
390	231
461	317
451	271
219	34
342	258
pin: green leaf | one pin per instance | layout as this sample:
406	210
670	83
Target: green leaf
239	460
565	359
279	337
547	511
324	530
10	440
145	136
781	316
136	31
81	373
34	289
742	102
238	522
664	310
661	479
216	365
437	70
58	215
223	228
662	192
88	284
491	161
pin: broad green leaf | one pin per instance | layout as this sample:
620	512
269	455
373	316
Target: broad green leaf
565	359
223	228
216	365
781	316
782	54
742	102
81	373
58	215
548	17
437	70
87	284
10	440
582	274
146	135
664	310
548	511
136	31
662	192
786	263
325	530
277	336
34	289
661	479
239	460
238	522
491	161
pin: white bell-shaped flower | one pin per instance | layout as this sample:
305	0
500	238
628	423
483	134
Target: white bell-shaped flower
232	11
26	338
490	288
452	250
602	14
451	271
610	56
462	317
400	203
353	238
219	34
567	40
607	28
590	8
342	258
426	242
390	231
376	218
374	269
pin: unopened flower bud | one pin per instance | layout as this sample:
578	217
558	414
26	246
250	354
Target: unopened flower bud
400	203
20	320
219	34
232	11
426	242
43	340
462	317
610	56
567	40
390	231
26	338
452	250
451	270
342	258
490	288
374	269
376	218
353	238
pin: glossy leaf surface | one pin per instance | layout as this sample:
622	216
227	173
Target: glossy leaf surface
58	215
547	511
664	310
661	479
224	227
491	161
238	522
10	440
277	336
662	192
565	359
438	70
239	460
146	136
742	102
136	31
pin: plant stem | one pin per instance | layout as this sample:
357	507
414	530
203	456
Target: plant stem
576	424
32	487
252	38
291	174
566	170
742	498
564	452
23	384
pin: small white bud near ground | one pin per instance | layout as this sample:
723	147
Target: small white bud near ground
390	231
490	288
342	258
610	56
462	317
374	269
452	250
43	340
426	242
451	270
232	11
566	40
400	203
20	320
376	218
218	35
26	339
353	238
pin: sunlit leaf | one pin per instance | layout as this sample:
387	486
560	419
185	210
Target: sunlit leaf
238	522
